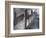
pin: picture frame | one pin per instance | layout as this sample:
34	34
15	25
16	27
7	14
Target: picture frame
9	5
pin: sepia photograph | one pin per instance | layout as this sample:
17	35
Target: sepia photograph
25	18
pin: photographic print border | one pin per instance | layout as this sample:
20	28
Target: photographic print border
7	19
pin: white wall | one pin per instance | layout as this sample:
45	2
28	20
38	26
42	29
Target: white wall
2	19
